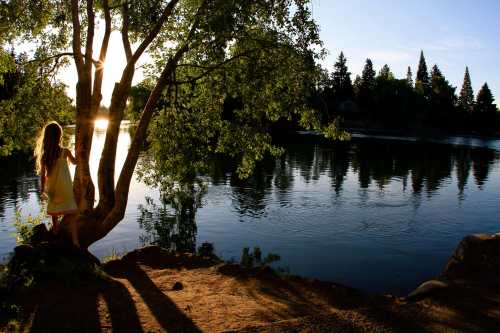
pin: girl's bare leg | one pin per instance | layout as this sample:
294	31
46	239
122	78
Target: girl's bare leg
55	224
74	232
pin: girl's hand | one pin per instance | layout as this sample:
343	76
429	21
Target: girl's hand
70	156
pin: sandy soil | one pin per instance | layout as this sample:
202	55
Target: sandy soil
138	296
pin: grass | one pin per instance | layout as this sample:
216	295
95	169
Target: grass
114	255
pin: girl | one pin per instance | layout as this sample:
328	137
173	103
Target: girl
52	166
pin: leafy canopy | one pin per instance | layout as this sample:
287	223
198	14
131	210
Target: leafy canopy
228	95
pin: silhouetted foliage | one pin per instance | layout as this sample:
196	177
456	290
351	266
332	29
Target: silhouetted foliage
383	102
466	97
423	83
367	85
341	81
29	97
409	77
442	104
485	112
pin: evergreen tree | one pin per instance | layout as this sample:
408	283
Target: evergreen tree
367	87
422	81
385	73
357	86
409	77
435	73
368	76
485	111
466	97
442	102
341	80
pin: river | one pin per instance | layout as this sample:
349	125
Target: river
378	213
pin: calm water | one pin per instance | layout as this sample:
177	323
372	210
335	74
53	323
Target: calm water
377	214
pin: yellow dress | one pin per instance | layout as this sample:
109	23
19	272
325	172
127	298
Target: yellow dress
60	188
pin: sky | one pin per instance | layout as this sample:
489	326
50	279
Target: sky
452	33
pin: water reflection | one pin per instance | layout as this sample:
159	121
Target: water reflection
17	182
390	167
172	223
425	166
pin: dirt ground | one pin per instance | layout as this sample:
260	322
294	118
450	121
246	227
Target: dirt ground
138	296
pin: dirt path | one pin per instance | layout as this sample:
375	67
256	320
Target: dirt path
138	296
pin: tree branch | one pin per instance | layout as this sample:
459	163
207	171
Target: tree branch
99	71
77	40
59	55
54	56
125	40
210	68
90	35
106	171
154	32
123	184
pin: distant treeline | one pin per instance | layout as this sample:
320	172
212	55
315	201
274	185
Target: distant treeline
426	103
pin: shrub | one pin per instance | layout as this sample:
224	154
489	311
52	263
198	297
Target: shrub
24	226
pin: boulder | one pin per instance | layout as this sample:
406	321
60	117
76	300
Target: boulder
178	286
40	234
476	256
426	289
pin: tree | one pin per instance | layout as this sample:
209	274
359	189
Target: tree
341	79
422	82
485	112
435	73
356	85
385	73
368	75
466	96
29	97
188	40
442	102
409	77
367	86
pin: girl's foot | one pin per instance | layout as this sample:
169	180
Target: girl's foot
55	230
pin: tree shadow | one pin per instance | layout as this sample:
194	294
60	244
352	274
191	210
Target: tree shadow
461	309
165	311
59	308
103	304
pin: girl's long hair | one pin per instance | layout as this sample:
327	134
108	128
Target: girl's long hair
48	147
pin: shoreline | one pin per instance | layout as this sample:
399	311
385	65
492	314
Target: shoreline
152	289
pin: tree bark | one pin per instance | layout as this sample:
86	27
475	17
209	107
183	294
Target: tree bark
94	224
106	172
83	186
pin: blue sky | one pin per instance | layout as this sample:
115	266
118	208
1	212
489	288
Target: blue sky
452	33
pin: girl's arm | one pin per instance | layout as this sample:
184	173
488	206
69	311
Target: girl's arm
42	178
70	156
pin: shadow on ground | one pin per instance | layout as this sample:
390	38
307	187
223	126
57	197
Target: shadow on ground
136	295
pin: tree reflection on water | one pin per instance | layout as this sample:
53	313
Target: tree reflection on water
172	223
420	167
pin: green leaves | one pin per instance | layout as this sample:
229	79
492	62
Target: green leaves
255	66
27	101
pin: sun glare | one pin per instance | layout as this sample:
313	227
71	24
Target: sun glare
101	124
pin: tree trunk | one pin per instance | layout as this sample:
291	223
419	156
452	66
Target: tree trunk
94	224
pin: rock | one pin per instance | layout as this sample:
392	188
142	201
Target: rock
476	255
40	234
425	289
178	286
157	257
23	250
